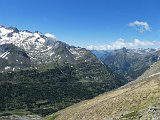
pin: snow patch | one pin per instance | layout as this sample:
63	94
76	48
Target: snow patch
6	68
47	49
4	31
4	54
154	74
52	53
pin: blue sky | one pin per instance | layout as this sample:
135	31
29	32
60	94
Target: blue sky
86	22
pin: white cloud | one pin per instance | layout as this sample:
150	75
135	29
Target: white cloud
50	35
140	26
120	43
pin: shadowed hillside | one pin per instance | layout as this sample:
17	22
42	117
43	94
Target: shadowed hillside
137	100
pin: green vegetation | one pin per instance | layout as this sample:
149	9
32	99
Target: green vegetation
19	112
131	115
51	117
134	101
50	90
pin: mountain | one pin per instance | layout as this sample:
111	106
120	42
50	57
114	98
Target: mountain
130	63
138	100
40	48
46	52
100	53
13	58
42	75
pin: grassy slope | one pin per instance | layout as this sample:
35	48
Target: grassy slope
130	102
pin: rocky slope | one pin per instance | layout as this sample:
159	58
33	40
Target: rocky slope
13	58
138	100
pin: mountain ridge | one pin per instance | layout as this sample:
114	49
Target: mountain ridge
130	63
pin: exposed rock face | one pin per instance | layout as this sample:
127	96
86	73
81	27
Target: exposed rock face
13	58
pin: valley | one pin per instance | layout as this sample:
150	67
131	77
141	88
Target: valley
129	63
44	78
79	60
138	100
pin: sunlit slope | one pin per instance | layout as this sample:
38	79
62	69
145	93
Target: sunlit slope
139	100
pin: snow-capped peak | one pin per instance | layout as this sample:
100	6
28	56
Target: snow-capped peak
41	48
33	43
1	26
4	31
19	38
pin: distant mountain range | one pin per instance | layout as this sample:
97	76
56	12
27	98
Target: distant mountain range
130	63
